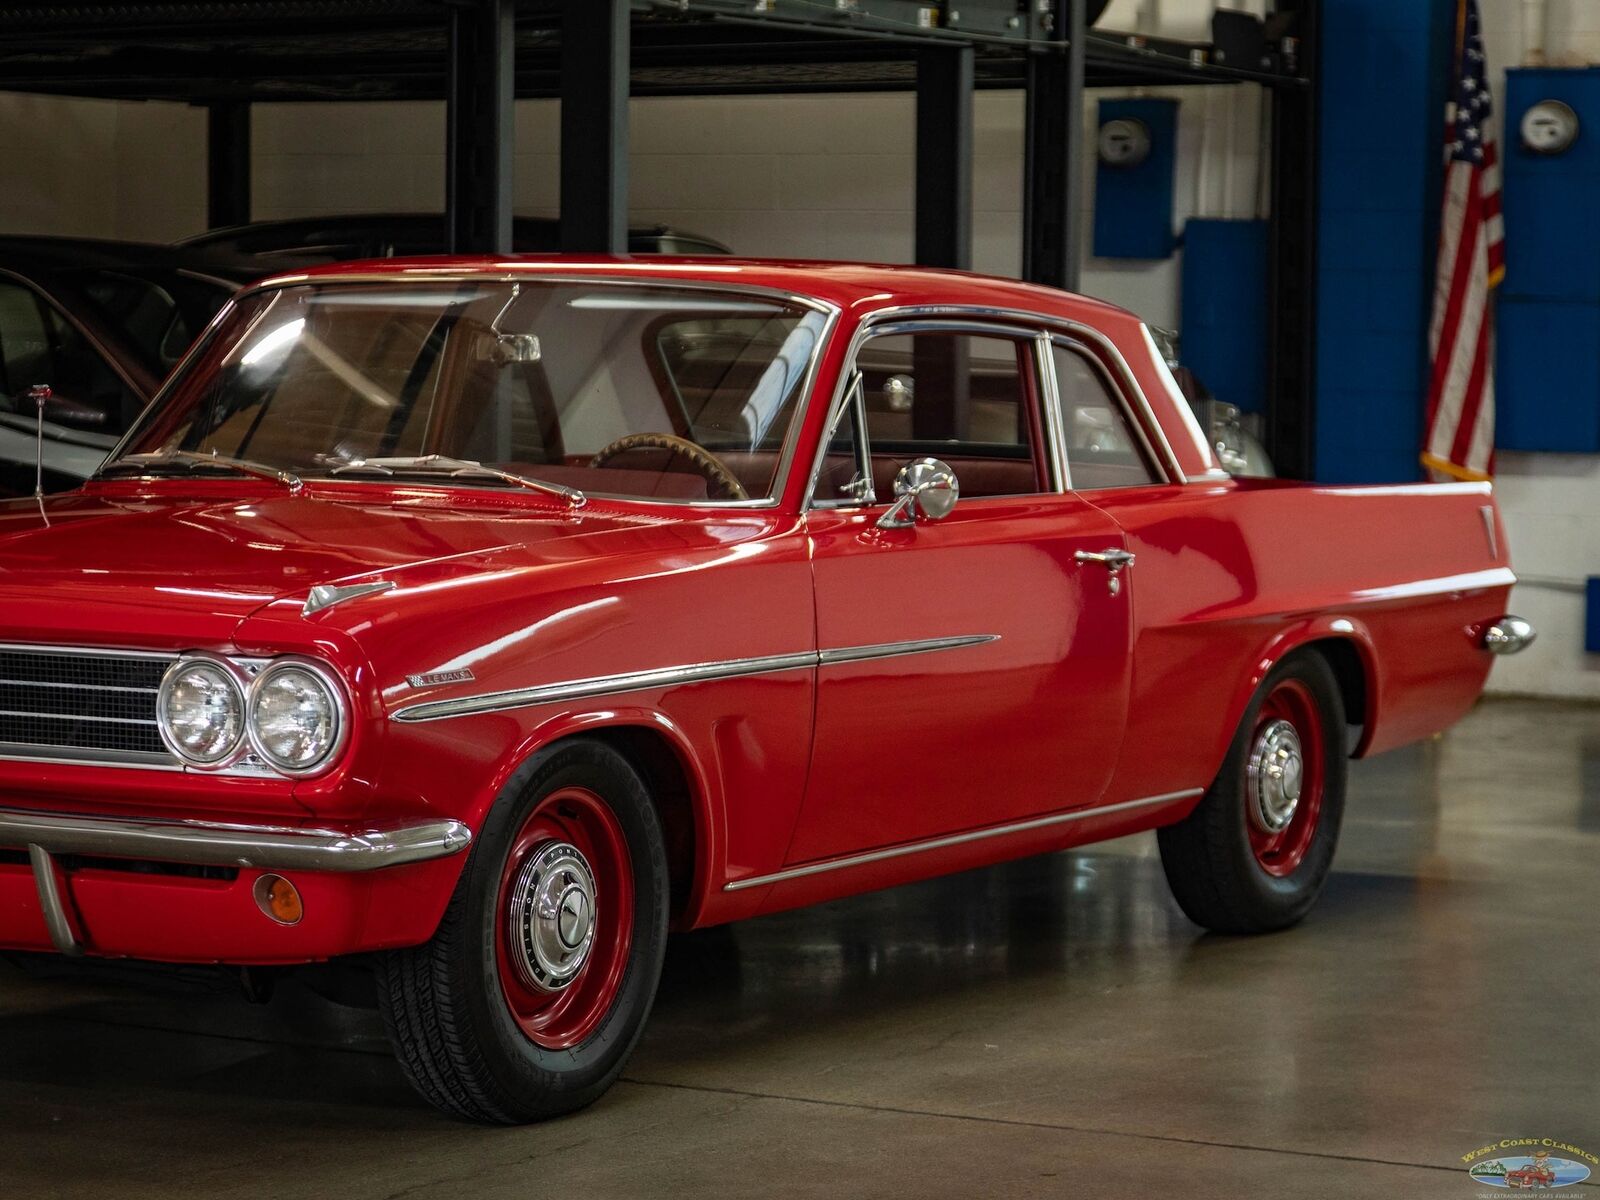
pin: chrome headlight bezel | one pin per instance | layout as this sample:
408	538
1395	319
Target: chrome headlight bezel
331	687
237	689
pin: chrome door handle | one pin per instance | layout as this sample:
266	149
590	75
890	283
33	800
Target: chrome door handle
1112	560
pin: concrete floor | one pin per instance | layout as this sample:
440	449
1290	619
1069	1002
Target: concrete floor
1050	1027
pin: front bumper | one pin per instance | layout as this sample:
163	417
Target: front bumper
103	885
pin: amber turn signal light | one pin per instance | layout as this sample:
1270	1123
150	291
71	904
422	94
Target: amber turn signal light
279	899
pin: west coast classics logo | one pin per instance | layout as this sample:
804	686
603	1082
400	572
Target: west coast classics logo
1528	1164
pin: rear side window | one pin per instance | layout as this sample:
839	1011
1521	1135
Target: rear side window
1103	448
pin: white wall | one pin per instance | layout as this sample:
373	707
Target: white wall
1551	502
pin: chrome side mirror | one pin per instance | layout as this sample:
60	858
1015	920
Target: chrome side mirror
926	488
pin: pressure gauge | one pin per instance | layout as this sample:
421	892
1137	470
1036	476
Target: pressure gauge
1124	142
1549	127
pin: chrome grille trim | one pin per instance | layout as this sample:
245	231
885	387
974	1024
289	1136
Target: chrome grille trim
82	704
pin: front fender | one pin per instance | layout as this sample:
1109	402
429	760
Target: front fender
707	801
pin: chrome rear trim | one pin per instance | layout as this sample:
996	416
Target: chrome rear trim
214	844
955	839
665	677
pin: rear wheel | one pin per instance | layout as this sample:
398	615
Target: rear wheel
533	992
1255	853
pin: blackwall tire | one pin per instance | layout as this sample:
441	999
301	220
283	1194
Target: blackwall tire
506	1017
1230	869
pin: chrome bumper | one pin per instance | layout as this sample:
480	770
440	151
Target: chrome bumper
208	843
212	844
1508	634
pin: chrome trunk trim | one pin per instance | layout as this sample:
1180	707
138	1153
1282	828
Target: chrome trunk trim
955	839
663	677
215	844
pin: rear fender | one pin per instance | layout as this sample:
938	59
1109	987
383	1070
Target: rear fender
1284	642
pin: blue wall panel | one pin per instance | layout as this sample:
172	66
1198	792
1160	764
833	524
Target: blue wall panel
1382	78
1591	626
1547	387
1225	327
1133	205
1548	345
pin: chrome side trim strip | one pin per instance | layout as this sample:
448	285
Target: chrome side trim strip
638	681
955	839
208	843
848	654
50	902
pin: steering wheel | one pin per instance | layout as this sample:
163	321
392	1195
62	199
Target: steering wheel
723	484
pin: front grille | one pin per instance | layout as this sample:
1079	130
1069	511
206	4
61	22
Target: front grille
80	703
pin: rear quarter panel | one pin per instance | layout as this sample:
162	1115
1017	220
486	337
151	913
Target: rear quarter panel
1232	576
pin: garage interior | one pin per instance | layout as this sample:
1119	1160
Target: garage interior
1052	1025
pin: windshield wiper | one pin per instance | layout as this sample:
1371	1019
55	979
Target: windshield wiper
458	468
194	458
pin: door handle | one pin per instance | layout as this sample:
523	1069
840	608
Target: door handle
1112	560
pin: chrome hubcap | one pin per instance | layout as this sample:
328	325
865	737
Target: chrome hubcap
1274	776
552	916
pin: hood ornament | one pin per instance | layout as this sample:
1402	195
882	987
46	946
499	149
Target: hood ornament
326	595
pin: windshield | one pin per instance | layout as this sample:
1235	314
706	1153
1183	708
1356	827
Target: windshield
661	392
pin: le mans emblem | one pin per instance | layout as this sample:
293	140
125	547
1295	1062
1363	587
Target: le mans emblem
1530	1164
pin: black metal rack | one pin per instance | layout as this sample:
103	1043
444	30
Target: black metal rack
480	55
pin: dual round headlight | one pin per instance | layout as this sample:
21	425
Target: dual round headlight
291	714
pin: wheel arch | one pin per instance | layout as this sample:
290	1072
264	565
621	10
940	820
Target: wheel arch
1346	646
685	797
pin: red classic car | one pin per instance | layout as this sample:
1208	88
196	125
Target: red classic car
1534	1175
487	619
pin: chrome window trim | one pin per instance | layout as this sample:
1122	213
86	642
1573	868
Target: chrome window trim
215	843
1186	416
889	322
674	676
1044	367
955	839
1073	346
541	274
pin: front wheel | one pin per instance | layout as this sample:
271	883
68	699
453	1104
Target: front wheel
1254	854
533	992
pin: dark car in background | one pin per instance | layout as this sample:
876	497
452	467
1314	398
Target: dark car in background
398	235
101	324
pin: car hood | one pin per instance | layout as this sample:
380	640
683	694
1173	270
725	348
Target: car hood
92	566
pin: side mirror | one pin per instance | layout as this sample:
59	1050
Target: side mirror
926	488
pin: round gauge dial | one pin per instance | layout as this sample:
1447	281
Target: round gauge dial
1124	142
1549	127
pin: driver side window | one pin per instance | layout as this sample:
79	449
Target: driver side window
966	399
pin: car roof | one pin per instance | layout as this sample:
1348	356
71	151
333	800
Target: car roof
852	286
55	254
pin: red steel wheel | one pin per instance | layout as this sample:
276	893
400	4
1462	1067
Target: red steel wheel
565	918
1254	854
1284	774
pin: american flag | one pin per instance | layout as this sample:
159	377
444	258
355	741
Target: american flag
1459	441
